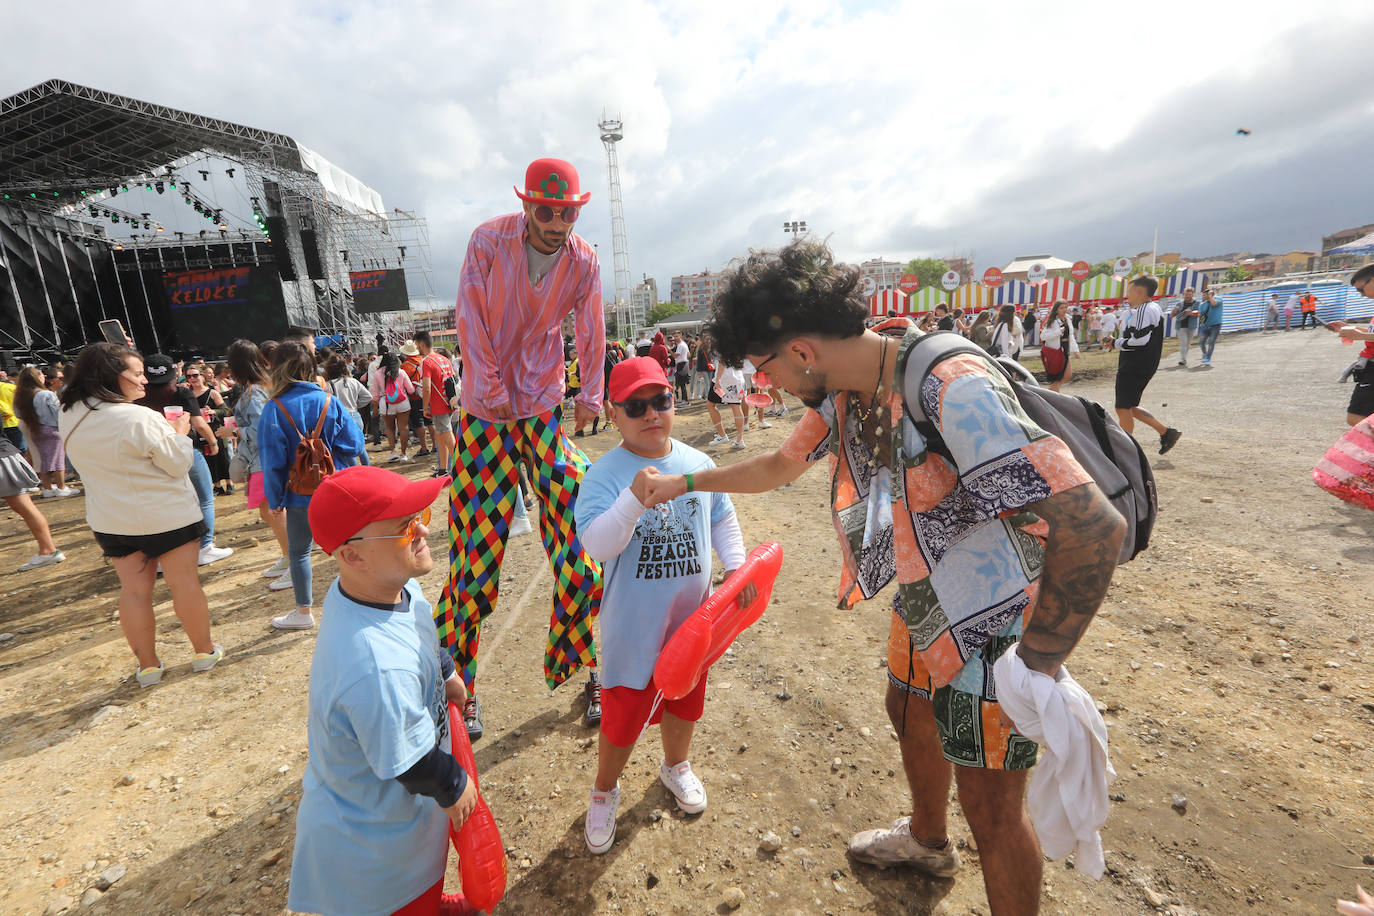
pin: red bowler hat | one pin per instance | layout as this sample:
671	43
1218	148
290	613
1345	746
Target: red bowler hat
353	498
630	375
552	181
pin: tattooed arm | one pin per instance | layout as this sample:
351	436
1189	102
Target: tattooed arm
1080	554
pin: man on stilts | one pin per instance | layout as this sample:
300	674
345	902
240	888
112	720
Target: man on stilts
523	273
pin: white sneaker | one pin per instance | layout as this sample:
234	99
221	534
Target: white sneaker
51	493
277	569
393	456
599	831
519	526
281	583
294	621
204	661
212	554
896	846
65	492
738	446
719	439
30	491
43	559
683	783
764	424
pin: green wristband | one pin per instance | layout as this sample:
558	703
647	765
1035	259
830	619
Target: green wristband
691	484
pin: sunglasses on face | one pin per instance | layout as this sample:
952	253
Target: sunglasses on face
193	375
637	407
410	535
544	214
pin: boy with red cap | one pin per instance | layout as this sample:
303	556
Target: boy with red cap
656	572
381	786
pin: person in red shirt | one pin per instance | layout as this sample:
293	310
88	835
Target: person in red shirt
434	373
410	365
660	352
1362	398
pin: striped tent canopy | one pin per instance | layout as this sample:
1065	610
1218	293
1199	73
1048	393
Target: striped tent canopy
1102	286
887	300
924	300
1175	285
1013	292
1057	288
971	297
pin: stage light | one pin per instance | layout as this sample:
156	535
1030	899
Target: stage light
124	188
148	187
229	172
56	194
160	229
114	191
223	226
33	195
7	197
202	233
83	193
160	187
204	174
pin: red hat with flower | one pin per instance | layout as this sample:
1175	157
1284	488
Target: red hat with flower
552	181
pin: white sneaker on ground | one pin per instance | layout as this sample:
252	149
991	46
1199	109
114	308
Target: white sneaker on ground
43	559
294	620
519	526
212	554
599	831
719	439
738	446
51	493
393	456
277	569
683	783
896	846
281	583
764	424
30	491
204	661
65	492
148	677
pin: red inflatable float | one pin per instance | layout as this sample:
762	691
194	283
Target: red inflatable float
481	856
706	635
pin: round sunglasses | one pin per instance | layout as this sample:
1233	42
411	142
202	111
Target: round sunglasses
410	535
544	214
637	407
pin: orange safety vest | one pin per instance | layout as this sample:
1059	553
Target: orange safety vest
1308	303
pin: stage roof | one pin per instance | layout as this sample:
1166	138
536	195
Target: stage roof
59	138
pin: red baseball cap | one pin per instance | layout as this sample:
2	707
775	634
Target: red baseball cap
630	375
353	498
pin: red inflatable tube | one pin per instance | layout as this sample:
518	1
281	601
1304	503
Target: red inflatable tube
481	856
706	635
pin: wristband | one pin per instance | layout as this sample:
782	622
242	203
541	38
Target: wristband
691	484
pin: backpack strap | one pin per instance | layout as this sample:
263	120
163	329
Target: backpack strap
284	413
914	366
319	424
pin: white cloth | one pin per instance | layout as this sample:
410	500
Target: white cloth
1067	797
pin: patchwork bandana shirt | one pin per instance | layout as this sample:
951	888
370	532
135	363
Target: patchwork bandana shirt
956	535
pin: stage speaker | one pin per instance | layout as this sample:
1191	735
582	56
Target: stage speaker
314	266
281	250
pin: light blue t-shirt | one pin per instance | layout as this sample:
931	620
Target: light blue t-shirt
1210	314
364	845
663	574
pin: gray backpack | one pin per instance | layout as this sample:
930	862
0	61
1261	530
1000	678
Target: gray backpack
1112	457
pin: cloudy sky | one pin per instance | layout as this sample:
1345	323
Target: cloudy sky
898	129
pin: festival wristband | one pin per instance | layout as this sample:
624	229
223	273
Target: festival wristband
691	484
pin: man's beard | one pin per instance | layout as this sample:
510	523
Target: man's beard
816	392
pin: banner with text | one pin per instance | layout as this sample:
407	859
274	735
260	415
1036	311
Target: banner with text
213	308
379	290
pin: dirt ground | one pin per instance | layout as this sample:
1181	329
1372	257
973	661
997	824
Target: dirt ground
1227	657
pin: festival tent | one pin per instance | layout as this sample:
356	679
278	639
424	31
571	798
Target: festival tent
1176	284
1362	245
924	300
1102	286
887	300
971	297
1056	288
1014	292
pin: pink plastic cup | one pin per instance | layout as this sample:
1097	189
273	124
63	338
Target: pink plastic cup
172	412
231	423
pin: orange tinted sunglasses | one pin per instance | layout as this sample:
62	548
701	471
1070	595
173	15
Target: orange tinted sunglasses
410	535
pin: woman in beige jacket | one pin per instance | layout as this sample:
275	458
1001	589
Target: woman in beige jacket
139	501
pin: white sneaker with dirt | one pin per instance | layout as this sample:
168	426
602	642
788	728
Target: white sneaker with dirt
204	661
212	554
719	439
896	846
683	783
764	424
281	583
43	559
394	456
148	677
599	831
738	446
519	526
277	569
296	620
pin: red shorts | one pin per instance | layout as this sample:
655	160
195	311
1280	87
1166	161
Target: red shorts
427	904
624	710
257	495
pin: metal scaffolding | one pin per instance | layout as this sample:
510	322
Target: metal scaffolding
612	131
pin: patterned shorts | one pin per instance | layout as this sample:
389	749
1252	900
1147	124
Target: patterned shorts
971	730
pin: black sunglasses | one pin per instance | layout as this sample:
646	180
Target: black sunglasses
636	407
544	214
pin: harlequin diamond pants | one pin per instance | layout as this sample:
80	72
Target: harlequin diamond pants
481	502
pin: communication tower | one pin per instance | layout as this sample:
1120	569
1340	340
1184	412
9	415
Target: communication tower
611	132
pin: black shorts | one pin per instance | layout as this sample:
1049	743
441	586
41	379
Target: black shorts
1130	384
712	397
417	415
1362	398
152	545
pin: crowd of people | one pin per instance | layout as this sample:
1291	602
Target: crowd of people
629	537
